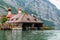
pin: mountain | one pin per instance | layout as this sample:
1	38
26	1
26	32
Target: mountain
42	9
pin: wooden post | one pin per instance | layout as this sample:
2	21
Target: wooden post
33	26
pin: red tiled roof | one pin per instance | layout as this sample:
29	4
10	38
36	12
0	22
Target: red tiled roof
10	15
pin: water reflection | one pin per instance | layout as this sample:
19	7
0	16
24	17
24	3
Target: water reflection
37	35
30	35
14	35
2	35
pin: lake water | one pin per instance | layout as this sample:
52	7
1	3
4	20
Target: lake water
30	35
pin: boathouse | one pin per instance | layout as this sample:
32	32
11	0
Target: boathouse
24	21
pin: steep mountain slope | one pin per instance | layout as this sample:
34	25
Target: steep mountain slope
4	6
43	9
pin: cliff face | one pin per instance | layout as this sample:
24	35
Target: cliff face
42	9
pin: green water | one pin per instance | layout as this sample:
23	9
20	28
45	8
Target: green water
30	35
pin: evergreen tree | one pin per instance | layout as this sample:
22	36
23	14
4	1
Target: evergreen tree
4	19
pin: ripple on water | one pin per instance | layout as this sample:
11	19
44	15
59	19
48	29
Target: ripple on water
42	35
30	35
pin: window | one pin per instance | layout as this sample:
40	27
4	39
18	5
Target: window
12	19
34	16
28	19
35	19
16	18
